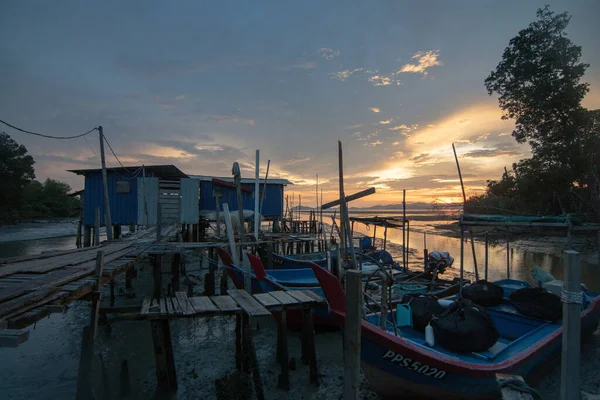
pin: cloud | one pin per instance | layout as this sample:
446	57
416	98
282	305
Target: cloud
356	133
404	129
328	54
298	65
374	143
504	149
424	60
180	97
375	109
382	80
205	148
345	74
504	134
354	126
297	160
385	122
232	119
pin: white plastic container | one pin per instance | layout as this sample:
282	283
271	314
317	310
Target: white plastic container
429	335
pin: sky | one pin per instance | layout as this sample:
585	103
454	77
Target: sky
204	84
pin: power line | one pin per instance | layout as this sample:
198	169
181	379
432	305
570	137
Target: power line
117	158
48	136
92	150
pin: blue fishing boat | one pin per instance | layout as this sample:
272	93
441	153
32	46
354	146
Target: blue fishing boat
399	361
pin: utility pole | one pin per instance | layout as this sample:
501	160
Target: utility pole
107	219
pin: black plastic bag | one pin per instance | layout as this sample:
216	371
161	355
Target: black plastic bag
465	327
484	293
423	308
537	303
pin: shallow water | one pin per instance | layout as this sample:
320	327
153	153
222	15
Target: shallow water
45	367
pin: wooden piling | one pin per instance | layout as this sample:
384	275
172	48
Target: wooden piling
157	275
124	379
485	261
163	355
309	346
282	352
84	384
78	242
238	343
352	334
175	268
507	253
112	292
158	223
571	335
250	356
87	236
474	257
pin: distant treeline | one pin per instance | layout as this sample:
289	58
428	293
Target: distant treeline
21	196
539	86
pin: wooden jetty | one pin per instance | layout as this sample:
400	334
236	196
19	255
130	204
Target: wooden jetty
35	286
243	307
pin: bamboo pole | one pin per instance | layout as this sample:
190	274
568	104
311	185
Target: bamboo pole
257	196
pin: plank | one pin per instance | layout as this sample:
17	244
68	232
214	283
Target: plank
145	306
13	337
169	303
284	298
176	307
252	307
267	300
186	307
312	295
43	300
202	304
163	306
297	294
225	303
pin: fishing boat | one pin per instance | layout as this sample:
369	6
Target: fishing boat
296	261
399	361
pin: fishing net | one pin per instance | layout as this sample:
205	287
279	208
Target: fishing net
537	303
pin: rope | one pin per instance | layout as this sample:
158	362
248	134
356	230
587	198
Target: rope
48	136
571	297
519	386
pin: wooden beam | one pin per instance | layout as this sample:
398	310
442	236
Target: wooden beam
355	196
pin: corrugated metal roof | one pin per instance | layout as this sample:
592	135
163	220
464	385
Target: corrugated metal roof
206	178
159	171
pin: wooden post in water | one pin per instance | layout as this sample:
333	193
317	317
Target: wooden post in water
237	177
571	336
425	252
84	384
163	355
87	236
462	255
474	257
158	223
107	219
407	242
352	334
404	229
507	253
485	261
97	227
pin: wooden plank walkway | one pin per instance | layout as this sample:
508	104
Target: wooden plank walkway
32	287
236	302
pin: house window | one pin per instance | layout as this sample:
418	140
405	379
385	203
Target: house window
123	186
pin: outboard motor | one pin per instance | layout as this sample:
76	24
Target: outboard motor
439	261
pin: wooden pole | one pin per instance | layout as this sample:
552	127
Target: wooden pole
257	196
346	221
97	228
407	242
342	203
425	252
485	261
474	258
218	210
107	219
237	177
571	345
462	254
87	236
352	334
264	192
385	236
507	254
404	229
159	222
